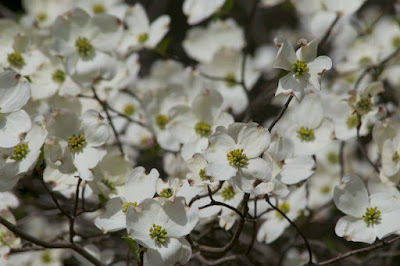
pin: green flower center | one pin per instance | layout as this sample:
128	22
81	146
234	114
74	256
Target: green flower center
299	68
332	157
158	234
167	192
228	193
396	157
364	61
203	176
396	42
76	143
230	79
364	105
126	206
325	189
58	76
237	158
108	184
161	121
129	109
41	17
142	37
46	257
16	60
372	216
352	121
306	134
284	207
20	151
202	129
98	8
84	47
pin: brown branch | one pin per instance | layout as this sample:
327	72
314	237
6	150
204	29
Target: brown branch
73	216
105	108
197	197
46	244
281	113
54	198
363	150
295	226
236	235
341	158
222	260
329	31
381	244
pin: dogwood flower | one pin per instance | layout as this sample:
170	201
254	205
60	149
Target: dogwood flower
138	187
233	154
368	215
85	44
305	68
161	227
193	125
83	137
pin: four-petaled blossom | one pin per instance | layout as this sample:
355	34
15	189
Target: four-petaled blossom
369	215
305	68
234	154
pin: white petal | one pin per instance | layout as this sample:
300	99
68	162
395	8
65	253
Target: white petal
14	91
254	140
13	128
286	55
307	53
86	160
95	127
157	30
297	169
351	197
140	186
113	219
355	229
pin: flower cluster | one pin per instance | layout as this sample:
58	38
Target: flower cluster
98	108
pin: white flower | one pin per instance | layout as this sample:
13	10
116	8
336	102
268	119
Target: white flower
224	34
193	125
368	215
138	187
198	10
305	68
161	227
227	64
14	122
85	44
140	33
233	153
83	136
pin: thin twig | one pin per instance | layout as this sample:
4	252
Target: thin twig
217	261
341	158
281	113
381	244
236	235
197	197
54	198
105	108
295	226
363	150
72	219
329	31
46	244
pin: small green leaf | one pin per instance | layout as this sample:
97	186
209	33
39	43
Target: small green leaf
225	9
162	47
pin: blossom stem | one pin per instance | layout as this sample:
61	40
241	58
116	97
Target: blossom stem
281	113
105	108
295	226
